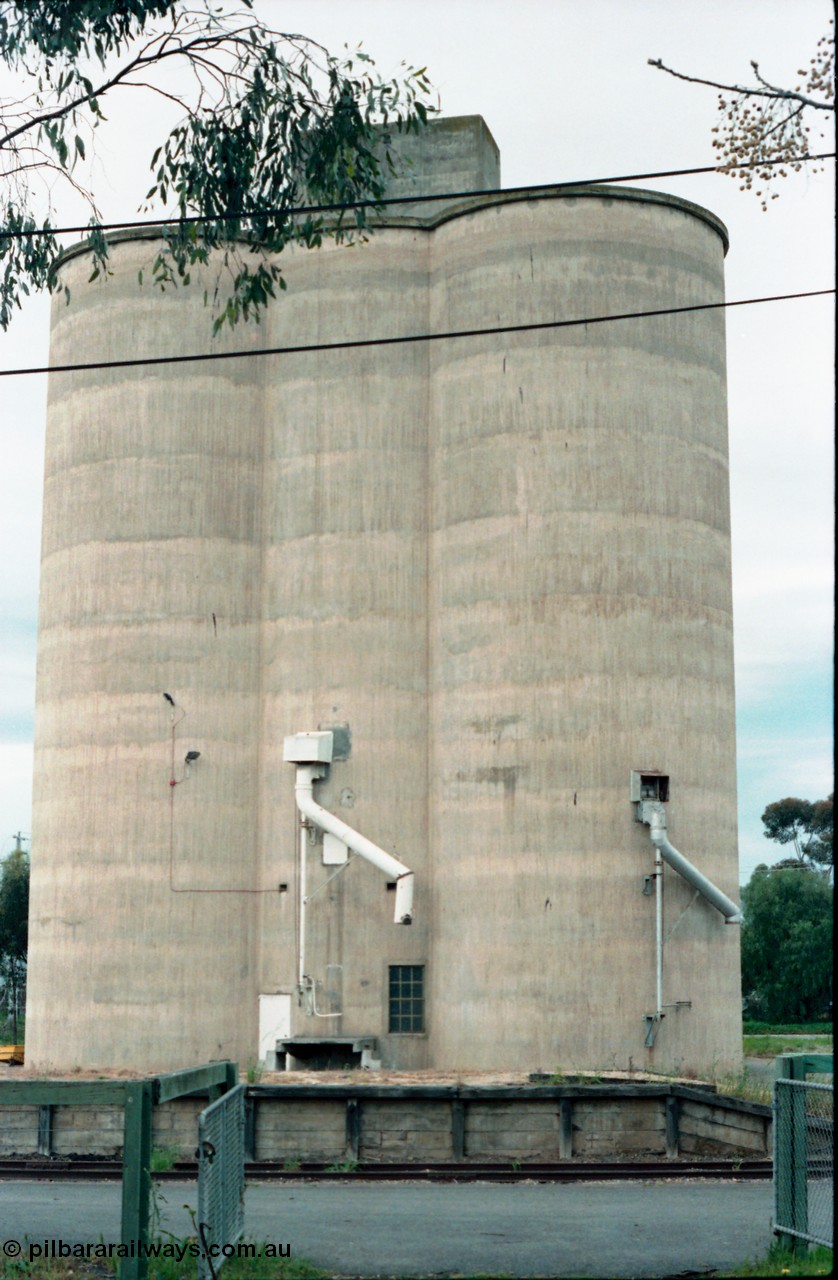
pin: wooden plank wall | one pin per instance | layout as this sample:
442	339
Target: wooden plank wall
381	1124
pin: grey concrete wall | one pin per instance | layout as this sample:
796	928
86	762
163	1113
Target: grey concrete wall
503	562
456	154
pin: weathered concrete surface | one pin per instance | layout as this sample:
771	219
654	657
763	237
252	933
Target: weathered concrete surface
503	562
366	1229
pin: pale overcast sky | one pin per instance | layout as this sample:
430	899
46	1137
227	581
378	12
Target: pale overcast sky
565	88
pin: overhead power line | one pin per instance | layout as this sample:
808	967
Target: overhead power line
294	210
403	339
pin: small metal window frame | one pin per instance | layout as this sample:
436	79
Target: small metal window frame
406	999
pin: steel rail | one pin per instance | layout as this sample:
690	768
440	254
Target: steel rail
60	1169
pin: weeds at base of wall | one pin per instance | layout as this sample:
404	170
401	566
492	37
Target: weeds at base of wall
745	1085
560	1076
163	1159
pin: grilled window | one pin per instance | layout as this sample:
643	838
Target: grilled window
407	998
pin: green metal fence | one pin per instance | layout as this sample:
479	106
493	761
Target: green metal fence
138	1099
804	1160
220	1180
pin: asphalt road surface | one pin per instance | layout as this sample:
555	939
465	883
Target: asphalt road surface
634	1229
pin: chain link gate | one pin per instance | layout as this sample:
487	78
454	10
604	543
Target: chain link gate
220	1179
804	1160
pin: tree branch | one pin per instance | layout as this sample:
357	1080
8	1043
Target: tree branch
147	57
770	92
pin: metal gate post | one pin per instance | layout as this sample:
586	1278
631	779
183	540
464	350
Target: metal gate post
136	1179
790	1170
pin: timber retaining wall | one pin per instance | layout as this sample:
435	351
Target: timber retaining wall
424	1123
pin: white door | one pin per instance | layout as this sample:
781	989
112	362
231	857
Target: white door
274	1024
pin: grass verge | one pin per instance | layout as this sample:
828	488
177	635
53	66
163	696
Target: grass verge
768	1046
818	1261
786	1028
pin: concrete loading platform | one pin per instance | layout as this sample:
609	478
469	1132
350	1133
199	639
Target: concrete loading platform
327	1117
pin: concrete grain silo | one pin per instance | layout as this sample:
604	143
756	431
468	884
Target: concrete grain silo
492	572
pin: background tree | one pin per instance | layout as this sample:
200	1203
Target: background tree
787	945
762	123
14	935
271	121
806	826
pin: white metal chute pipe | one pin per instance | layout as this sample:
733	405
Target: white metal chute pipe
676	860
307	775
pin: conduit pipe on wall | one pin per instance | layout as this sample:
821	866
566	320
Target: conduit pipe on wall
306	985
653	814
307	775
658	932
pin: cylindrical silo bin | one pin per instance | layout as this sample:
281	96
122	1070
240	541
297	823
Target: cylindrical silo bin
345	617
581	628
150	584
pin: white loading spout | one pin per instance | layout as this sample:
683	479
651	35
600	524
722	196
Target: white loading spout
307	775
652	813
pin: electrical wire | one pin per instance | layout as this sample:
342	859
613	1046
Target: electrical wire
174	782
403	339
293	210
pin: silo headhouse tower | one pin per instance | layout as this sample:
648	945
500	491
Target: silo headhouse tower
385	704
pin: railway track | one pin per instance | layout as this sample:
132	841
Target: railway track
268	1170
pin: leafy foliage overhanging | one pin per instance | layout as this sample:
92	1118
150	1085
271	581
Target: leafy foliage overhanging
271	121
763	123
